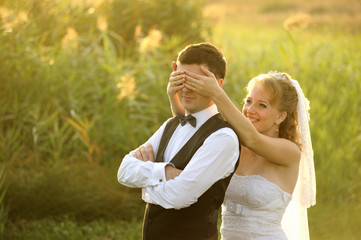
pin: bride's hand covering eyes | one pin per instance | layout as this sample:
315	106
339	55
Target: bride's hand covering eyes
176	82
205	84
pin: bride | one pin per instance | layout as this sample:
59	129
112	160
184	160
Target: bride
274	184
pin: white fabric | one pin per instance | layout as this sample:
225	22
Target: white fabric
214	160
295	221
253	208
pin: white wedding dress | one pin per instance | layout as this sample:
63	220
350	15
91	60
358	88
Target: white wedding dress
253	208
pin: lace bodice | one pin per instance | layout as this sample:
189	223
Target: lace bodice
253	208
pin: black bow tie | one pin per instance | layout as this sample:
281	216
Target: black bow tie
189	118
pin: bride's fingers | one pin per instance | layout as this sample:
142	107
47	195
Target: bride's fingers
177	83
191	74
175	73
192	79
195	83
206	71
196	78
178	88
191	86
177	78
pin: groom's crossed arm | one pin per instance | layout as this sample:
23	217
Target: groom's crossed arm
139	170
146	153
214	160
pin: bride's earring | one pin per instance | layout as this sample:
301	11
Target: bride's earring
277	131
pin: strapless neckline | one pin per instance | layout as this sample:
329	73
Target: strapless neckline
263	178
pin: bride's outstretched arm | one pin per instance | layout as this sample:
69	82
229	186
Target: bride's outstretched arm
267	147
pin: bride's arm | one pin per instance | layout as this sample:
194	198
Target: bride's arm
175	105
277	150
175	84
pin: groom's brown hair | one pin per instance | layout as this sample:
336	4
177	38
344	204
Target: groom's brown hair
207	54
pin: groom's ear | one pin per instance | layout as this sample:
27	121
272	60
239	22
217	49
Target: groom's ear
174	66
220	82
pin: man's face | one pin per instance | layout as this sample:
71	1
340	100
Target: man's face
193	102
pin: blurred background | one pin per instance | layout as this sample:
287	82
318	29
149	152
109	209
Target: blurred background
83	82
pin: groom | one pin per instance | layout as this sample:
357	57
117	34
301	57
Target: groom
196	155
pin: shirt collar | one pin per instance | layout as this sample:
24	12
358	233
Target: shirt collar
204	115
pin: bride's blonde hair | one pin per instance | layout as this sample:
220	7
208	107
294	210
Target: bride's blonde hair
284	97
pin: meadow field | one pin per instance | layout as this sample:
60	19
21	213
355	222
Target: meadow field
84	82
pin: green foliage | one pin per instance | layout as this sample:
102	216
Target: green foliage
275	6
173	18
65	101
335	221
82	191
66	228
331	223
76	97
3	213
125	21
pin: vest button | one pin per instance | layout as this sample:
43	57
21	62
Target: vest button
149	221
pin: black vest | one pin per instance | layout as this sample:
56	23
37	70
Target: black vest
198	221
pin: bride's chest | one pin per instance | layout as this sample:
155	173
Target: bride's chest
254	191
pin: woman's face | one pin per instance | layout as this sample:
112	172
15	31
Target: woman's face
264	116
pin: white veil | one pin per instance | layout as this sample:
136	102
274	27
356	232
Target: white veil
295	221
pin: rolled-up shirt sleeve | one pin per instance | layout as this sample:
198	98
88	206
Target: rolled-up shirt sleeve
213	161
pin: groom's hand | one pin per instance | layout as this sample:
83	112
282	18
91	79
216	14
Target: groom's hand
145	154
171	172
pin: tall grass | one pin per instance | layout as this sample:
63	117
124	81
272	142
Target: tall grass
3	213
66	228
81	85
62	73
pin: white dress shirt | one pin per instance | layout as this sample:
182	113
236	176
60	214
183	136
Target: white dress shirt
213	161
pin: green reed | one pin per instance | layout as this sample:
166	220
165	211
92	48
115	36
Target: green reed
76	96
